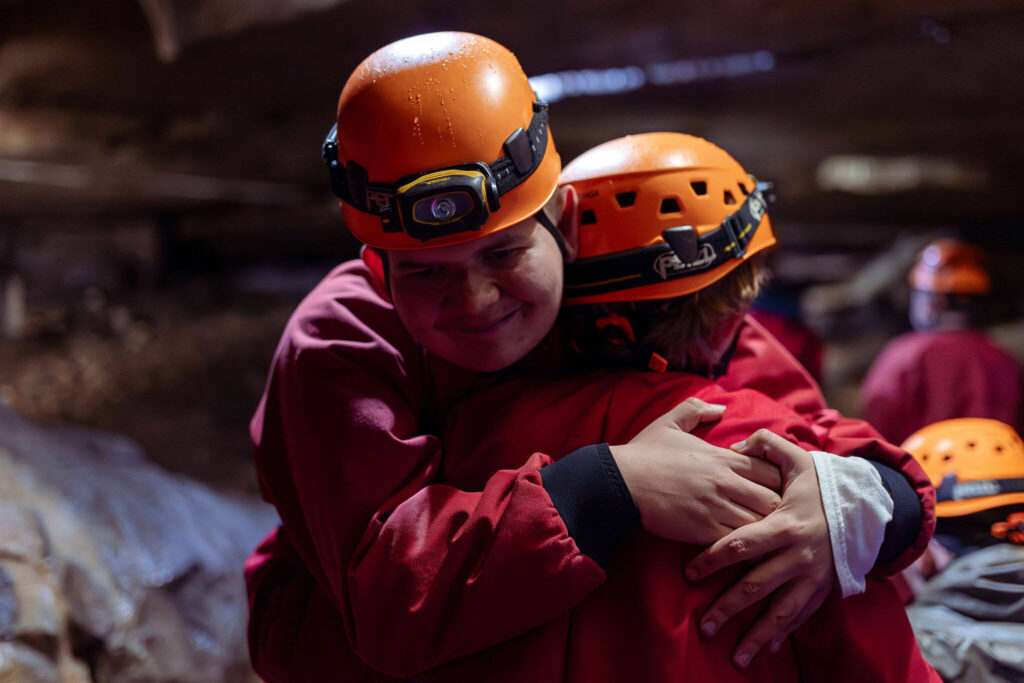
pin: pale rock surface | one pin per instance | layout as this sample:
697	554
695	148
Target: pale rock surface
112	569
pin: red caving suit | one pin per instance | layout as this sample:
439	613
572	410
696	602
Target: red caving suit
426	579
796	337
924	377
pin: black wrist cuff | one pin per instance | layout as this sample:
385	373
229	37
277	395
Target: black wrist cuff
590	494
902	531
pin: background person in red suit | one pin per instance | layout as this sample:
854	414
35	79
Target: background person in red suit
946	367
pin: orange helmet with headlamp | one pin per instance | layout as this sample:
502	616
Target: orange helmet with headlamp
439	140
949	266
974	463
661	215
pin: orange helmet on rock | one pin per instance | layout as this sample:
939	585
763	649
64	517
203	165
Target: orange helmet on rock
949	266
661	215
439	140
974	463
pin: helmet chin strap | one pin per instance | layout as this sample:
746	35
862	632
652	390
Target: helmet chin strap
545	220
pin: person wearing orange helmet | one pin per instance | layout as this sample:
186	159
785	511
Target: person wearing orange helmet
645	621
967	611
446	170
946	367
672	233
382	542
672	230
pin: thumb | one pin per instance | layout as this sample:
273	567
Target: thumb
691	412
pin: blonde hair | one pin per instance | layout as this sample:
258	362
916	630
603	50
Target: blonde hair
681	332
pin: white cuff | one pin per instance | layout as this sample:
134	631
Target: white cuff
857	508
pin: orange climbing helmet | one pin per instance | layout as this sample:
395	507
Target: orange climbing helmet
661	215
974	463
439	140
949	266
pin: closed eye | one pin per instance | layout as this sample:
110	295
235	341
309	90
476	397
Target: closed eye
422	273
503	256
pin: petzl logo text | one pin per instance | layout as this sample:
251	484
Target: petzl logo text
668	265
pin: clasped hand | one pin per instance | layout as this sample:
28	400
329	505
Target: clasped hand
690	491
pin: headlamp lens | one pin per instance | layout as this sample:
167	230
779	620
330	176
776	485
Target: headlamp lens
442	209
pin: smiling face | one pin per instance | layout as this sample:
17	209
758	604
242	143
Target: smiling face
483	304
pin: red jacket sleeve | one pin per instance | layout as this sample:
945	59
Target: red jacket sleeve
295	631
339	452
759	362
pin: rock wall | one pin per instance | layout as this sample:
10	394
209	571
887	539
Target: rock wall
111	569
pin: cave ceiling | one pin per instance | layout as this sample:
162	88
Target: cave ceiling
125	106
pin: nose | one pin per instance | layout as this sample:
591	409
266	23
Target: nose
476	291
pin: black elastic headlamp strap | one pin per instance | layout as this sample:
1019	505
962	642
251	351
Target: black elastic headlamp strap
683	253
524	150
952	489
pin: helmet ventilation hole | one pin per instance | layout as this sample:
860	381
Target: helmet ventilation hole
626	199
728	198
700	187
947	458
588	217
670	205
743	188
970	444
999	448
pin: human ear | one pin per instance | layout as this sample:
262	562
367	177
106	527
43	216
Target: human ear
567	208
376	261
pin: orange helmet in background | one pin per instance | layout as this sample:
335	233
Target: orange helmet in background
974	463
661	215
949	266
439	140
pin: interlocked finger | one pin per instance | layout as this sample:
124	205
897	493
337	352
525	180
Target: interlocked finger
733	516
756	585
757	470
754	497
746	543
788	609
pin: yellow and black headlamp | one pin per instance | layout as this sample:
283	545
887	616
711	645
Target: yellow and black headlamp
447	201
443	201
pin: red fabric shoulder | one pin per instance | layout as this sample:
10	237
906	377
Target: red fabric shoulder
761	362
